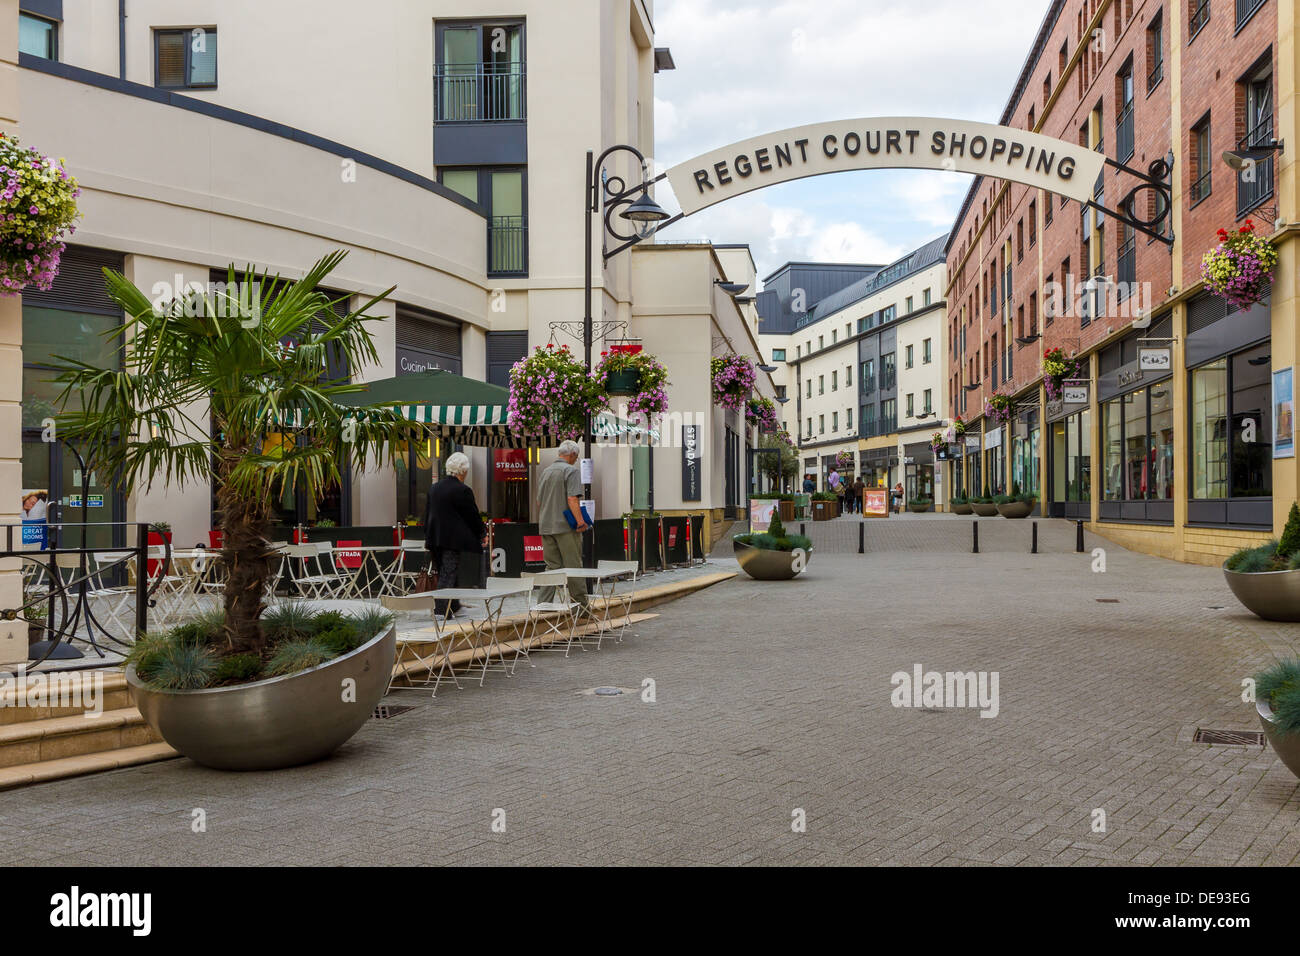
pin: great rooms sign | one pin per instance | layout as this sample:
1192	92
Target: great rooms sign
1066	169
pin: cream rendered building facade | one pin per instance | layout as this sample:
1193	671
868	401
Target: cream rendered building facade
346	145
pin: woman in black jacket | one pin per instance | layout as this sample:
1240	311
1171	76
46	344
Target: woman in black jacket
451	525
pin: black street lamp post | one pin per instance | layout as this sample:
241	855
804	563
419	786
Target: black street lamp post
610	194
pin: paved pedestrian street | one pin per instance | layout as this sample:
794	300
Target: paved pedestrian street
757	726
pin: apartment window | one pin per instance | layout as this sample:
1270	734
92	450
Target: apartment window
38	36
185	59
927	351
809	395
909	304
848	376
835	381
480	73
821	424
1230	404
1064	57
911	405
889	314
835	336
1124	113
868	422
1202	164
821	342
888	416
821	384
927	402
1033	313
502	192
1052	301
848	329
798	351
1029	125
807	347
810	431
1047	212
888	370
1033	223
1126	270
835	421
1198	17
1047	88
848	419
1156	51
778	355
907	357
1255	184
1020	240
925	297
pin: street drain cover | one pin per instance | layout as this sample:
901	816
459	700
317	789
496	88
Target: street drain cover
1237	738
1107	600
389	711
606	692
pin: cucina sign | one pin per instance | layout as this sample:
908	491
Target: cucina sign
982	149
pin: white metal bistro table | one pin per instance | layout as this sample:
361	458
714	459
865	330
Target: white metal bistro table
483	634
355	580
606	581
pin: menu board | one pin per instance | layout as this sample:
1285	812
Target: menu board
875	502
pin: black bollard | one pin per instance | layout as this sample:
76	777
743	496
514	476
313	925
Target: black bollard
862	537
1078	541
975	530
1034	548
802	530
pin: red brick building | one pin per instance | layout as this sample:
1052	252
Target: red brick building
1155	458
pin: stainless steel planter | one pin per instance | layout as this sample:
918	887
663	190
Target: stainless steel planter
962	509
1273	595
269	724
1286	746
769	565
984	510
1015	509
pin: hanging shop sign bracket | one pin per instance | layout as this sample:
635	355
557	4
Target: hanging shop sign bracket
1155	189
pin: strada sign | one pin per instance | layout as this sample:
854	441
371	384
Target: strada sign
983	149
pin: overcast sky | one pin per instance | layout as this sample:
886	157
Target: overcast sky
746	67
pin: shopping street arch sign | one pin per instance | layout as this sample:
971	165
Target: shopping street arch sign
911	142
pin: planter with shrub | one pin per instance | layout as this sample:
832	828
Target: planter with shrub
242	690
773	555
825	505
1277	701
960	505
1015	505
1266	579
920	505
984	505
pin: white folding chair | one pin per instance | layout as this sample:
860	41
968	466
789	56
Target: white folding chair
402	574
313	580
626	570
520	628
118	599
559	615
413	641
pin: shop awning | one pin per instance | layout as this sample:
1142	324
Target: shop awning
468	411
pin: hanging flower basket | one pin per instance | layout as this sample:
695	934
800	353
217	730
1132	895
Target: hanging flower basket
937	441
1240	269
733	380
38	207
1000	407
1058	368
761	412
958	428
843	459
551	394
638	376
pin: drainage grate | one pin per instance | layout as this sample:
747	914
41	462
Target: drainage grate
1232	738
389	711
1107	600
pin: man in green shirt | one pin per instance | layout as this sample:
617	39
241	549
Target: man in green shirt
558	491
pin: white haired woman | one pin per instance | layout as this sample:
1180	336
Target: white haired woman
452	525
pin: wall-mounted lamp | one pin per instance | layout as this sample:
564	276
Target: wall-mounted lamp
1247	158
731	288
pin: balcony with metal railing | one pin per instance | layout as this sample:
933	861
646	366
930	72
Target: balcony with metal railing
1246	9
1124	134
485	93
508	246
1255	182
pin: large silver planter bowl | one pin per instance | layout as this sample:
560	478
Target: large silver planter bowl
1286	746
769	565
269	724
984	510
1273	595
962	509
1015	509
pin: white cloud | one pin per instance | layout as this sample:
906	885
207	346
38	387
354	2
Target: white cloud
745	67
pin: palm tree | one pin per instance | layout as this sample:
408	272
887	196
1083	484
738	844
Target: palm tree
255	354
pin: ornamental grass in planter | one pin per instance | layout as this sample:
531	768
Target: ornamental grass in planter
773	555
1277	701
1266	579
255	378
920	505
1015	505
984	505
960	505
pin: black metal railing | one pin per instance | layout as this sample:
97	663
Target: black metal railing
474	94
1124	134
888	379
1156	75
1245	9
1255	182
1126	270
71	591
1201	187
508	245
